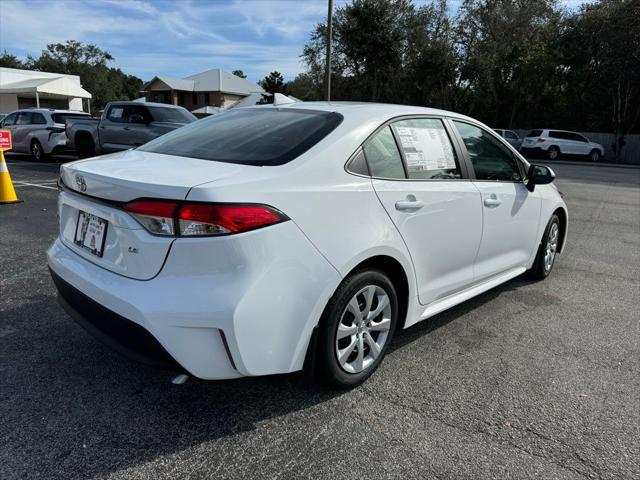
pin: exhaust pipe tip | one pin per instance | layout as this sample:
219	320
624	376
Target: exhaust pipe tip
180	379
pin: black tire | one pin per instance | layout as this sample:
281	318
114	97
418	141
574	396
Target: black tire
595	155
540	269
336	312
36	151
553	153
85	147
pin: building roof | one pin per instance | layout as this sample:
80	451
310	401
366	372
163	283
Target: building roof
215	80
61	86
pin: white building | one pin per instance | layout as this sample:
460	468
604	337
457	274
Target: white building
28	88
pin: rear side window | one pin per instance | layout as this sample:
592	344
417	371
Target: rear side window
427	149
534	133
38	119
383	156
116	114
250	136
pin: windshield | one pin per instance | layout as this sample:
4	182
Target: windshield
251	136
63	117
175	115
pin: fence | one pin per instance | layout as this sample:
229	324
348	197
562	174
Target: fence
630	151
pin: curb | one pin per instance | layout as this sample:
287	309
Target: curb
587	164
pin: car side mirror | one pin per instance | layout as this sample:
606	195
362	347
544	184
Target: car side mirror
539	175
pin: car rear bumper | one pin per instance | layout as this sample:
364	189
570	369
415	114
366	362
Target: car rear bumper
219	308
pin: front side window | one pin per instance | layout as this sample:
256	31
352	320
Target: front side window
250	136
490	158
136	114
427	149
10	119
176	115
510	135
383	156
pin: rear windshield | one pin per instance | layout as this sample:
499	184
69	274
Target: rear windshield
175	115
534	133
63	117
256	136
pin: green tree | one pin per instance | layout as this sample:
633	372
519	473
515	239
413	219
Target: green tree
600	64
91	64
272	83
10	61
239	73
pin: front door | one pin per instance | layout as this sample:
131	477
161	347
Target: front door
510	212
419	181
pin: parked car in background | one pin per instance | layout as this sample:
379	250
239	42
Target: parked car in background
261	238
510	136
556	143
125	125
39	131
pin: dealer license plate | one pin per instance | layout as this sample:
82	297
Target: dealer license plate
91	232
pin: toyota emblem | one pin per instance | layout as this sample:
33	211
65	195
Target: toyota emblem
82	185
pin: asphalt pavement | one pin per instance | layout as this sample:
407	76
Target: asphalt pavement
529	380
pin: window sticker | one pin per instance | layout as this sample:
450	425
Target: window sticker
426	148
116	113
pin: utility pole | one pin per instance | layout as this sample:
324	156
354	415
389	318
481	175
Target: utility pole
327	79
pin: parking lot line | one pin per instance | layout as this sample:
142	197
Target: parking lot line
47	185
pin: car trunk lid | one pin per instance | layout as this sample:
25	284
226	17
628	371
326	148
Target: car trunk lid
100	187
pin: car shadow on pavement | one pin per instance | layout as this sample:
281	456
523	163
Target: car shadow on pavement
73	405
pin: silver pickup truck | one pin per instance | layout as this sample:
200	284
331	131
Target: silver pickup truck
124	125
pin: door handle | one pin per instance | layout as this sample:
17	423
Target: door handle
103	127
492	201
125	128
410	204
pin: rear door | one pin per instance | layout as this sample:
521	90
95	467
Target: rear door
112	129
425	190
510	212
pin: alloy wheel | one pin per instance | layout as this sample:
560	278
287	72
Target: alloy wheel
551	247
363	329
36	150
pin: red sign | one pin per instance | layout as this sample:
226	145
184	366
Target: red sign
5	140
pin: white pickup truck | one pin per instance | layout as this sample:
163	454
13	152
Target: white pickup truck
124	125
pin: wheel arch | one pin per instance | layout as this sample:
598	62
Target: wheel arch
562	216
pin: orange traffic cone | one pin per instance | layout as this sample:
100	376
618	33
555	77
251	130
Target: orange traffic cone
7	192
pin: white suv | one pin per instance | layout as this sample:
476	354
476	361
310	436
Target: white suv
39	131
561	142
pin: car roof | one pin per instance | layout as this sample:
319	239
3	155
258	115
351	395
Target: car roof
49	110
366	110
144	104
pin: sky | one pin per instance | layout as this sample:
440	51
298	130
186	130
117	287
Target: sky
175	38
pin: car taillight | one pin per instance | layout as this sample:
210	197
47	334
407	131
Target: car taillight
162	217
157	216
540	140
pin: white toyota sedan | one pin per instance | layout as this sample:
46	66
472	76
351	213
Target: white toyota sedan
267	239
